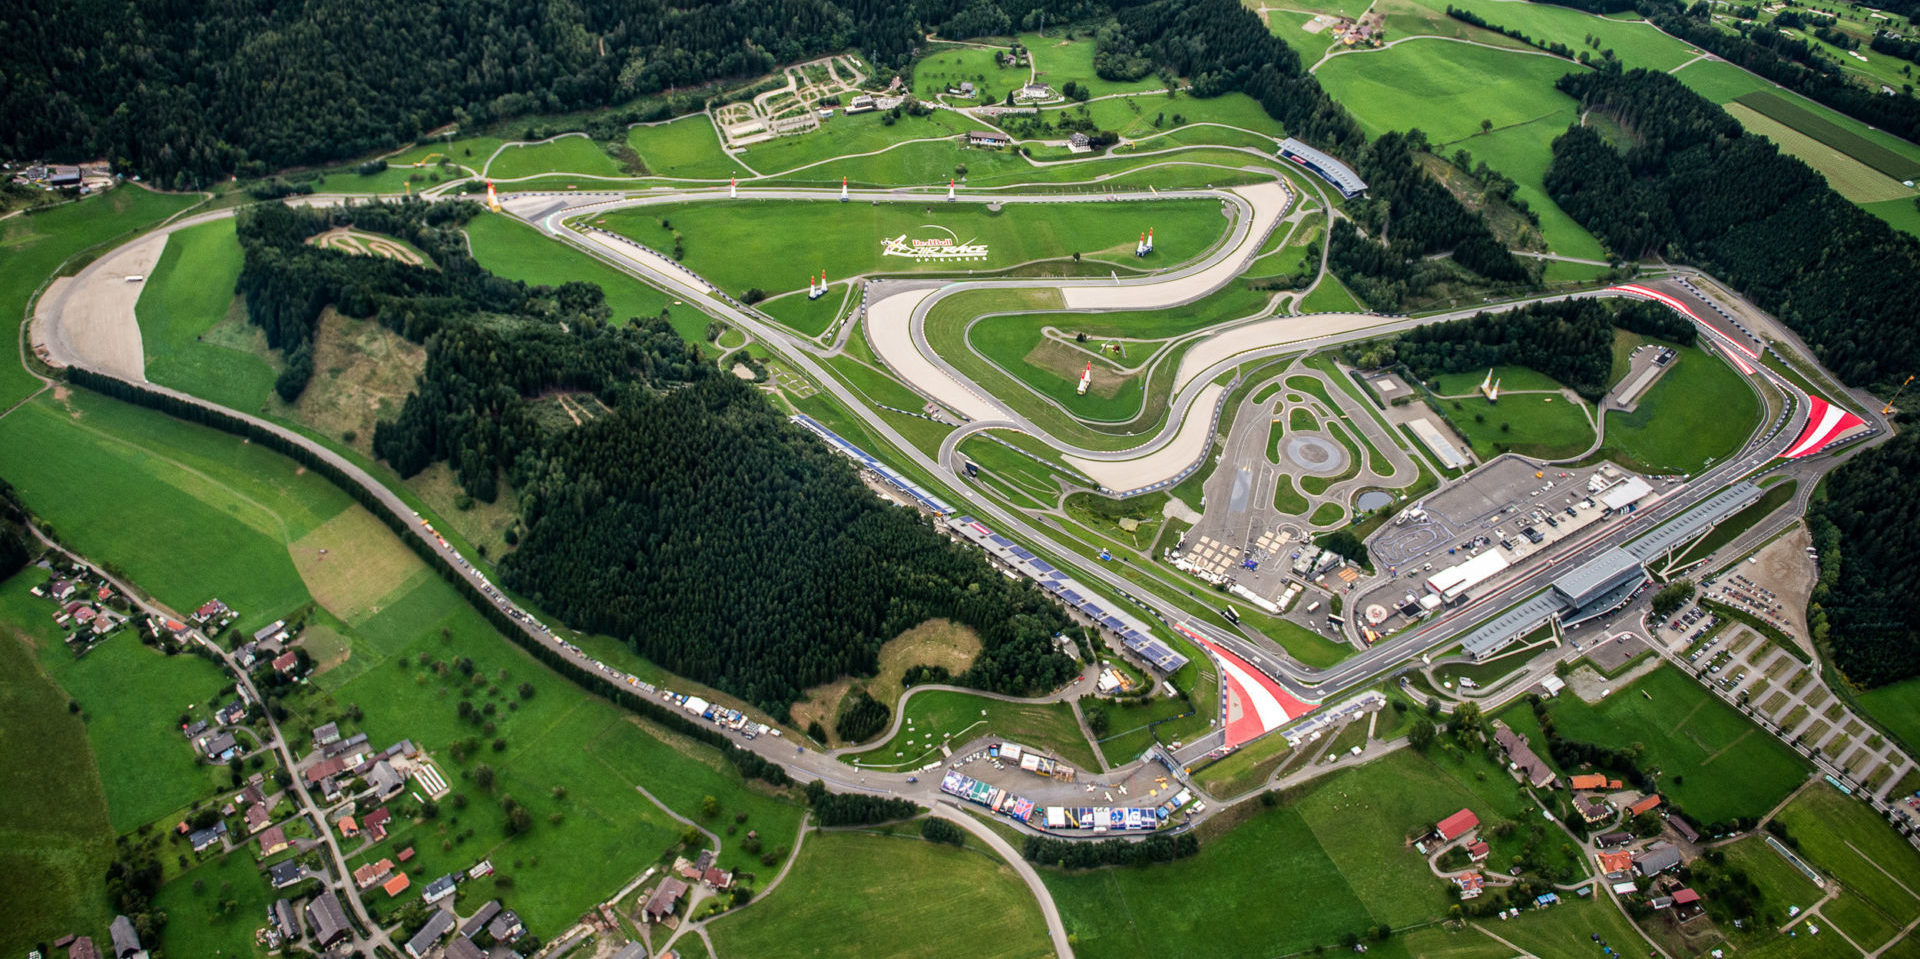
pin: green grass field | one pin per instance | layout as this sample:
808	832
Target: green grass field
1058	59
1290	27
732	244
1848	176
518	252
1531	423
33	246
944	67
686	147
938	716
568	154
1902	215
1634	42
1699	413
189	293
1334	861
58	839
859	895
1897	708
1848	841
1715	763
1330	296
1803	120
927	164
198	926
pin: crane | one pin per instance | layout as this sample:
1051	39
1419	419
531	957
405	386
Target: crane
1896	395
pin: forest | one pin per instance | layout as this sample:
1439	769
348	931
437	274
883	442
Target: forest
1571	340
1697	189
1867	603
693	520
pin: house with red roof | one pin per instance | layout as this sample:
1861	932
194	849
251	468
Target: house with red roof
1478	850
1456	825
1648	804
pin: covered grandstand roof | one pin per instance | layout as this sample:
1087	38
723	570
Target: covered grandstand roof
1489	636
919	493
1717	507
1330	169
1826	423
1133	634
1595	577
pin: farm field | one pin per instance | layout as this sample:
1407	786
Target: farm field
58	839
1698	413
732	244
933	894
1896	707
1848	176
1902	215
1342	838
1848	841
566	154
193	331
1791	114
33	246
1290	26
1634	42
688	147
1716	764
939	716
518	252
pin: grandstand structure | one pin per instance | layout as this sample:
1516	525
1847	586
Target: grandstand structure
1324	166
919	494
1132	633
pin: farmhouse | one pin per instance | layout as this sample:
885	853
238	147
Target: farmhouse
506	926
1646	805
438	889
327	919
1592	809
375	824
987	138
372	872
284	874
1587	781
1521	757
384	780
665	899
126	942
1080	143
326	735
1684	828
1456	825
1608	840
463	948
1615	863
1656	859
285	920
285	662
484	915
82	948
429	934
397	885
1478	850
273	840
1471	885
276	632
1034	90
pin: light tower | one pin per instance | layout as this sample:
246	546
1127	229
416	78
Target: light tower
843	189
493	199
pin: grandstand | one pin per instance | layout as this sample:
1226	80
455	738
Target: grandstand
1326	167
918	493
1133	634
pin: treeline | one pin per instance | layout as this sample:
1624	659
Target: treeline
751	765
1797	65
1698	189
1469	17
1867	602
1079	854
856	809
1896	46
14	553
1571	340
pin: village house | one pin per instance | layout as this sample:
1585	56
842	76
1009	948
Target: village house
988	138
1456	825
1646	805
464	948
480	918
1478	851
397	885
1592	809
326	735
286	922
327	920
1656	859
273	840
373	872
665	899
439	889
1521	758
430	934
206	838
257	818
506	926
284	874
1080	143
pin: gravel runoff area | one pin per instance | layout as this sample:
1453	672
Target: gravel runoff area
96	324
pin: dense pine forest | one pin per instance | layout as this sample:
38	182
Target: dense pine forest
1571	341
1867	603
1695	188
693	521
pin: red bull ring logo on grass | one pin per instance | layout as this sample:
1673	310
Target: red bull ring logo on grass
934	248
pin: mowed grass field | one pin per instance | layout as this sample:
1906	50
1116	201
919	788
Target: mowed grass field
943	68
1302	875
857	895
33	246
1845	839
1447	88
1534	424
1634	42
189	293
1896	707
1698	413
517	251
1849	176
943	716
686	147
733	244
567	154
858	133
57	839
1714	762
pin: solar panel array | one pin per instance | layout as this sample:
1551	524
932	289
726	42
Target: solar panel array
865	459
1133	634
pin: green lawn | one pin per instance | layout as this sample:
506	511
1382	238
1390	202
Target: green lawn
1897	708
1634	42
1300	875
1699	413
1902	215
196	923
944	67
1059	59
1845	839
517	251
58	839
1330	296
33	246
733	244
568	154
1533	424
859	895
861	133
1714	762
188	295
940	715
686	147
1290	27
